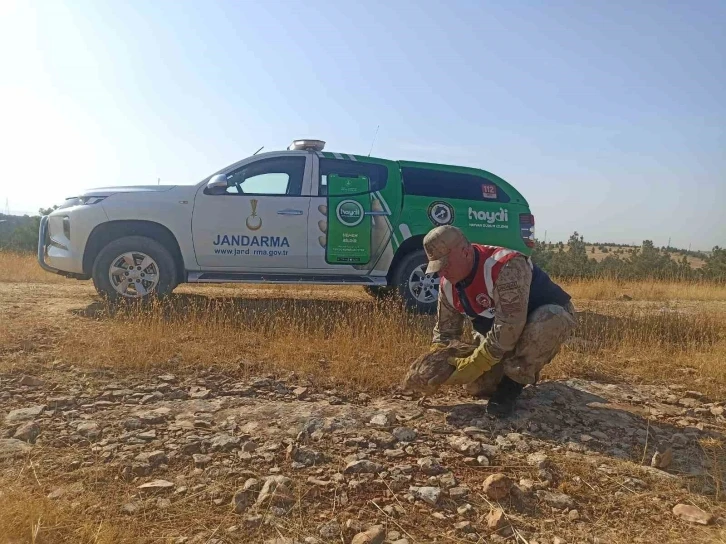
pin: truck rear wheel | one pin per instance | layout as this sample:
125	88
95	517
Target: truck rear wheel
134	268
419	291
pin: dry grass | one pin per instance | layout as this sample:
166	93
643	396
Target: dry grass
609	289
23	267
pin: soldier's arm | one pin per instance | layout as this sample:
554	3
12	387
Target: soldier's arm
511	296
449	323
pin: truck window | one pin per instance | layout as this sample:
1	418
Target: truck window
275	176
376	173
445	184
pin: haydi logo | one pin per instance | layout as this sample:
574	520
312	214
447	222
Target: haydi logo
489	217
350	213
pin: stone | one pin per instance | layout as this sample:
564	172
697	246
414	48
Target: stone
383	419
464	527
464	509
54	403
363	466
691	514
539	460
374	535
24	414
395	454
246	495
156	486
458	493
662	458
497	486
300	392
306	457
496	519
130	508
331	530
30	381
27	432
573	515
154	458
404	434
556	500
201	460
224	442
163	504
430	495
153	417
277	490
10	448
199	393
249	446
148	436
90	430
430	466
464	445
482	461
717	411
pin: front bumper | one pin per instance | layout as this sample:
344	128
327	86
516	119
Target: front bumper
44	245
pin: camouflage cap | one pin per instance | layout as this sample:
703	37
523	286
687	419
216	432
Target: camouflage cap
439	242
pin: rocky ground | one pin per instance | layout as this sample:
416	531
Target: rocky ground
210	459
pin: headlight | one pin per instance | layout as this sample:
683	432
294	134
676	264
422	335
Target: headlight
81	200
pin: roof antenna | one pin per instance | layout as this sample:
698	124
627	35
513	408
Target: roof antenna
256	152
374	140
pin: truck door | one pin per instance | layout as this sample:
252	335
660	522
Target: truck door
260	221
350	230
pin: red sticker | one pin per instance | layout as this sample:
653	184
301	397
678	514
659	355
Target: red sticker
489	191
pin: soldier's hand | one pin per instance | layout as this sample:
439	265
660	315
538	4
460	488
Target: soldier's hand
470	368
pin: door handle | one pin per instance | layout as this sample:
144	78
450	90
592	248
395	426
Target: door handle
288	211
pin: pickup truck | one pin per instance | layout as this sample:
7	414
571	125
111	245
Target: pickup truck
299	215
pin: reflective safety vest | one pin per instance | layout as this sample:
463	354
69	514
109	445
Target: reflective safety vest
473	296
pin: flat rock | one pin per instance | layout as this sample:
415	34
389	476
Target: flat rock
156	486
374	535
11	448
363	466
430	466
24	414
556	500
430	495
465	446
497	486
404	434
691	514
383	419
199	393
276	490
539	460
224	442
27	432
30	381
201	460
496	519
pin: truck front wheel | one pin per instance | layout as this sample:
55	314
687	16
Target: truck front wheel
134	267
419	291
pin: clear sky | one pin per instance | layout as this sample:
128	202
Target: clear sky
610	117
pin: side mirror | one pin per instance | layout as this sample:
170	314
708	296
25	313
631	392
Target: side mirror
217	185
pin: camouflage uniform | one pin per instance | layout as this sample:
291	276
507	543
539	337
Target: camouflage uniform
525	343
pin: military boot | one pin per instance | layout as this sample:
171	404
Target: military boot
505	397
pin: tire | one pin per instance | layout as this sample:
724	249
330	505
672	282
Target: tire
412	267
133	282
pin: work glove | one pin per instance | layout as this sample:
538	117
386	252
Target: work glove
470	368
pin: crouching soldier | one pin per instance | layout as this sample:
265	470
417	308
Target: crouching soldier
519	315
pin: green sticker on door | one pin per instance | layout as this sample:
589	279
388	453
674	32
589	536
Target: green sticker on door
349	225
